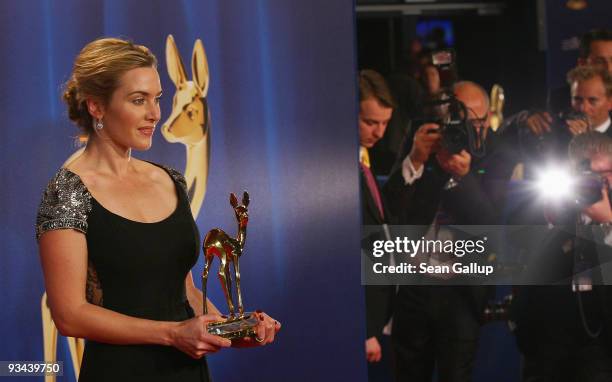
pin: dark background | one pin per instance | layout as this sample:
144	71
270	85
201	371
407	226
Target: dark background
526	46
514	43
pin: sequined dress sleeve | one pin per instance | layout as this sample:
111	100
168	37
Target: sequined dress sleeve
65	204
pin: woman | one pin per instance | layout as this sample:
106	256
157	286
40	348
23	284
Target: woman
117	239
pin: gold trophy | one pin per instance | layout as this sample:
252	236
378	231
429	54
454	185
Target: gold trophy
219	244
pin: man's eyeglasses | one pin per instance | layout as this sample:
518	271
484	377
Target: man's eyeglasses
478	123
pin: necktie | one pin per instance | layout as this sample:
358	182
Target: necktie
364	160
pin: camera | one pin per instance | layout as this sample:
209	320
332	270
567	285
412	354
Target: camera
450	113
588	185
582	187
556	141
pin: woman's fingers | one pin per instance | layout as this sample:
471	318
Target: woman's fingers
266	329
206	318
213	340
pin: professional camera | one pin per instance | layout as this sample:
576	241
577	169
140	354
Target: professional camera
556	141
450	113
588	185
582	188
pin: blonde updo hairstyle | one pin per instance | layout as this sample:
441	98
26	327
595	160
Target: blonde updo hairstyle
96	73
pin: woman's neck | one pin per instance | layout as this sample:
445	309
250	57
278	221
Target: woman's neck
105	156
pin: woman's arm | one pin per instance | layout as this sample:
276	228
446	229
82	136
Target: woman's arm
63	256
195	297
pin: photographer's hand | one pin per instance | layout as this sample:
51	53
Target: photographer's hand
539	123
373	350
600	212
458	165
425	142
577	126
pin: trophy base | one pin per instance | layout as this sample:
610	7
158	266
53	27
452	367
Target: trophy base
235	328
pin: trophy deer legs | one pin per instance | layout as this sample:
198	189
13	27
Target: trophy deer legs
225	284
238	292
207	263
228	277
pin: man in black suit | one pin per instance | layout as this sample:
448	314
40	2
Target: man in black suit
375	109
565	330
439	325
555	323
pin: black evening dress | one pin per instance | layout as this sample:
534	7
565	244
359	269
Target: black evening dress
135	268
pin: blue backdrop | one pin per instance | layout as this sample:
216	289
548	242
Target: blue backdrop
564	28
282	97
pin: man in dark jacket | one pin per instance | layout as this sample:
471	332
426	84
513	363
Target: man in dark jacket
564	328
439	325
595	50
375	109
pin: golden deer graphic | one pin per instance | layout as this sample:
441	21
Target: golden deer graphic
228	250
189	124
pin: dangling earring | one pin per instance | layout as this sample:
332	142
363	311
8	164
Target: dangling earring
99	125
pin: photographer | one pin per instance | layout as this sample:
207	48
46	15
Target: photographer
591	103
564	330
411	89
440	325
595	50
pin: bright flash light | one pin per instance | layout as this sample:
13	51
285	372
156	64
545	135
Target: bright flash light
555	184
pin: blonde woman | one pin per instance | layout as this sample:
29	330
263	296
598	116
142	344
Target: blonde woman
116	236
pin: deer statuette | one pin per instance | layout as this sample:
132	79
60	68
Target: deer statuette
228	249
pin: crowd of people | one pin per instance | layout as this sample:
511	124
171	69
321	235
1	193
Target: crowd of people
563	326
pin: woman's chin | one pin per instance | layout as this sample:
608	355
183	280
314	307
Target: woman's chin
142	145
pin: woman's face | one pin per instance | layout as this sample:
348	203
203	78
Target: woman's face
133	110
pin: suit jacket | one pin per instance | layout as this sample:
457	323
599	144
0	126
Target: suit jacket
409	96
477	199
480	196
378	297
552	313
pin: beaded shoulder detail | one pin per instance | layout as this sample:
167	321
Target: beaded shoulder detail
65	204
177	177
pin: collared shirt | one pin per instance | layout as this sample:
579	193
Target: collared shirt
603	127
409	174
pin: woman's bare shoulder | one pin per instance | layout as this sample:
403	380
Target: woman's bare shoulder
163	173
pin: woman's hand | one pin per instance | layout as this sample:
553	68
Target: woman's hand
265	332
192	337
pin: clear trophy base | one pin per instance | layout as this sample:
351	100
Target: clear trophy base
235	328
